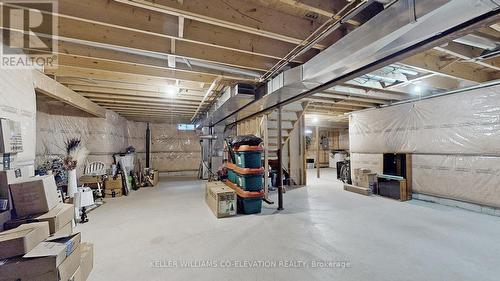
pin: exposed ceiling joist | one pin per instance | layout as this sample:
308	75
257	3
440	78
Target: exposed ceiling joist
321	7
434	63
228	14
469	54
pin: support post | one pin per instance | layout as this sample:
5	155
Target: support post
280	163
148	146
317	151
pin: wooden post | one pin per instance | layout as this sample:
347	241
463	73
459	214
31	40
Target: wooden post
280	163
266	156
317	151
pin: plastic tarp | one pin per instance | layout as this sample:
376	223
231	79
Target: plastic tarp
455	141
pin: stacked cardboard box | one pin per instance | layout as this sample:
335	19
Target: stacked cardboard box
364	177
28	253
35	200
7	177
113	186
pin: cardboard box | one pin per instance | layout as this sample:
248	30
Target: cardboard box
47	265
156	177
108	193
57	248
111	183
58	217
21	240
65	231
222	200
86	263
34	195
9	177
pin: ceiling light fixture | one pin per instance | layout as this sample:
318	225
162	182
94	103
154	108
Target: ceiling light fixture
171	90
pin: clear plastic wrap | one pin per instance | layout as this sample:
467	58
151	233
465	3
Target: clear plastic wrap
174	150
474	179
455	141
100	137
462	123
17	102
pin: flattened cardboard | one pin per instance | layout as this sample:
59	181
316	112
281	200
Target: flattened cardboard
21	240
34	195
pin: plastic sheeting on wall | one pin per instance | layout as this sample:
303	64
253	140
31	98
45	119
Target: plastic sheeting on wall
462	123
101	137
171	150
374	162
455	141
472	179
17	102
174	150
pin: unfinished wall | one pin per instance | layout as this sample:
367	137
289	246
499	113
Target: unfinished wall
171	150
455	140
174	150
17	102
101	137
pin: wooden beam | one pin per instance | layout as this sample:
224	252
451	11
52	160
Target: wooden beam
56	90
320	7
68	49
440	65
125	102
114	91
238	15
466	53
128	18
144	99
94	34
193	88
130	69
148	106
92	75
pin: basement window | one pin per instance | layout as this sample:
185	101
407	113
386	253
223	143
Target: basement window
185	127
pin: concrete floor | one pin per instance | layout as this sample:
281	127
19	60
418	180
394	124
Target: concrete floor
376	238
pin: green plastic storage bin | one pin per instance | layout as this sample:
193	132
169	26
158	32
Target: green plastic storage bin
249	206
252	182
248	156
231	175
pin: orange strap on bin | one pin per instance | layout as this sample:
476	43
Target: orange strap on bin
248	148
242	193
244	171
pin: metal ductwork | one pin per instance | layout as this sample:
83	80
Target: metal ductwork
395	31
